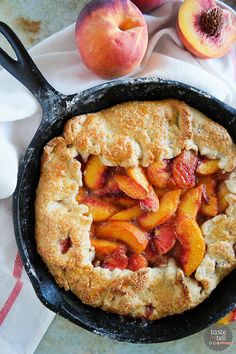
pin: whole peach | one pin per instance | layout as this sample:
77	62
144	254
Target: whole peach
148	5
111	36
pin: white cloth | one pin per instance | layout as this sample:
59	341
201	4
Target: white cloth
23	319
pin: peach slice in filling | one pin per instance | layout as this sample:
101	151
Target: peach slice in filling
137	261
168	206
193	246
191	202
158	173
164	238
95	173
100	210
128	214
134	184
116	259
104	247
207	167
221	194
123	231
209	207
183	169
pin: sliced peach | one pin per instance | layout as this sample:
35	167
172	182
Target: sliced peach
158	174
160	192
116	259
130	187
191	202
183	169
221	194
124	202
95	173
164	238
125	232
168	206
207	167
137	174
193	246
210	207
137	261
104	247
128	214
111	188
100	210
151	202
81	195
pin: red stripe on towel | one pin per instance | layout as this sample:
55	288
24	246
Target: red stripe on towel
17	272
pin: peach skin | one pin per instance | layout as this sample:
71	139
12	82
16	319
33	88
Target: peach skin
205	29
137	261
123	231
111	37
183	169
168	206
148	5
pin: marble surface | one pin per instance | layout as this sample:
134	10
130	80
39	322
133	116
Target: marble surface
33	21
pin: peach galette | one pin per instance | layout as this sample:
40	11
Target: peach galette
136	208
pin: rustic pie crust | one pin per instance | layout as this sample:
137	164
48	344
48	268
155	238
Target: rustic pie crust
128	135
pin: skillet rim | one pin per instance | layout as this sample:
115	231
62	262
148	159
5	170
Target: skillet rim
63	309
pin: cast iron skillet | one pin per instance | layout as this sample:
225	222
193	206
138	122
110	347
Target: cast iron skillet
57	108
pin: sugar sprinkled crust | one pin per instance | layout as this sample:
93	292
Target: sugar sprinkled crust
129	134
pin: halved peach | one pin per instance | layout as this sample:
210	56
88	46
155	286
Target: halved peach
168	206
193	246
205	29
128	214
95	173
183	169
210	207
104	247
207	167
158	173
125	232
191	202
137	261
81	195
221	194
100	210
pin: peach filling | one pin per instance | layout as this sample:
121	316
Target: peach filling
143	216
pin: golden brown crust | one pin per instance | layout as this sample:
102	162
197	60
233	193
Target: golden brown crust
129	134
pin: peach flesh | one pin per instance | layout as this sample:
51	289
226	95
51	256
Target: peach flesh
111	37
197	29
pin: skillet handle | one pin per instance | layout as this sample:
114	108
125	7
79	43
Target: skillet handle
24	69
